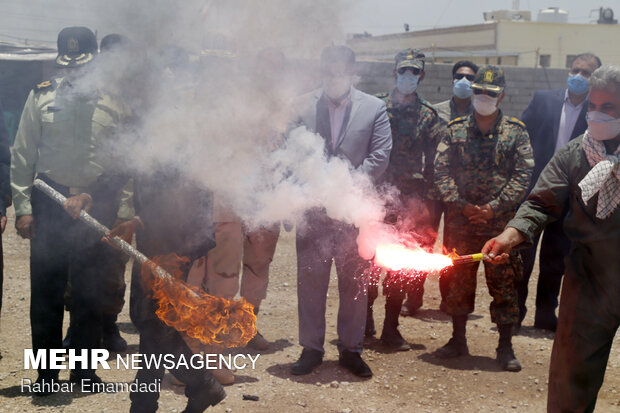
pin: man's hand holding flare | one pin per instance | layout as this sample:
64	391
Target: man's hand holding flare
498	248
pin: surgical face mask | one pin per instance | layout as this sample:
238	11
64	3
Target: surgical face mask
462	88
602	127
577	84
407	83
337	88
484	104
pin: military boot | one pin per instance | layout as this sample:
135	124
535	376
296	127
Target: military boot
390	336
505	354
370	329
457	346
203	394
112	339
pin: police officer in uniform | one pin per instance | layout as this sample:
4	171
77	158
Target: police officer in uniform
482	171
62	139
416	132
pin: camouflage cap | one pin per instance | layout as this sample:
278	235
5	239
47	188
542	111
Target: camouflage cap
490	78
410	58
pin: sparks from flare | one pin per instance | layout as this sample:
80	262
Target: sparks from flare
397	257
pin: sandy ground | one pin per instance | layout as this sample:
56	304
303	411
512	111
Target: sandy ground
413	381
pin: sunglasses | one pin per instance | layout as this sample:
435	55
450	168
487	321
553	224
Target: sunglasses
414	70
490	93
459	76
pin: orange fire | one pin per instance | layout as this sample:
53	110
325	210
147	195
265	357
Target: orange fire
397	257
212	320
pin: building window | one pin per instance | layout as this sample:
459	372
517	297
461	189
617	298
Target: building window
545	60
570	58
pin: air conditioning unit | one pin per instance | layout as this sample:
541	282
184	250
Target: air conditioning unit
507	15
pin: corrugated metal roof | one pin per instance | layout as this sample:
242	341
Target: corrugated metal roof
10	51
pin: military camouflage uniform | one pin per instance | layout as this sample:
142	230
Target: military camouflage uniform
416	132
494	169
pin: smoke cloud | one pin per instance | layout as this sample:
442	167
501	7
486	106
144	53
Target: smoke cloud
208	104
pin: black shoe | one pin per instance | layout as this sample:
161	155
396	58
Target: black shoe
112	340
204	395
85	378
393	340
370	329
354	363
308	360
507	359
45	384
453	349
66	342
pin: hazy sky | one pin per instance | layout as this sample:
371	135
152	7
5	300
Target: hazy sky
40	20
388	16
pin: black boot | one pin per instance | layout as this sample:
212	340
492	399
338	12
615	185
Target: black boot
457	346
370	329
66	342
112	339
204	394
390	336
505	354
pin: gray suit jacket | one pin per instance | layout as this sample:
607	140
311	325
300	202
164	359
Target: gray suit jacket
365	139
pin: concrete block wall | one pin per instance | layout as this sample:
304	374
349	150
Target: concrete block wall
521	83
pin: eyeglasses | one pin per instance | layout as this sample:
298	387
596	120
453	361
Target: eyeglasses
459	76
414	70
490	93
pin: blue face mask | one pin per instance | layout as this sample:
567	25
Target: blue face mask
577	84
462	88
407	83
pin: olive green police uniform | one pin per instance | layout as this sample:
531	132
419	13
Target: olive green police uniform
65	139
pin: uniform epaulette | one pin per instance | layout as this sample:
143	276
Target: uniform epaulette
382	95
517	121
457	120
44	85
427	104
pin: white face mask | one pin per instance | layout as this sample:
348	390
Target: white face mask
484	104
602	127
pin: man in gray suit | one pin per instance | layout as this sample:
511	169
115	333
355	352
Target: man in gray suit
355	127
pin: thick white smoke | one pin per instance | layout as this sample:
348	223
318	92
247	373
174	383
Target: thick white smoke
191	79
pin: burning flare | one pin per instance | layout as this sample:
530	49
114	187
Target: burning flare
397	257
212	320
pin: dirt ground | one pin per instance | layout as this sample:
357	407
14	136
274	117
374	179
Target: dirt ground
412	381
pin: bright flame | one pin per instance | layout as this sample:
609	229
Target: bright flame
212	320
397	257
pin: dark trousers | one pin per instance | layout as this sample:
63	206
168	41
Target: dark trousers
587	324
156	338
63	248
322	241
554	247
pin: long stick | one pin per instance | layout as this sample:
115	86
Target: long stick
102	229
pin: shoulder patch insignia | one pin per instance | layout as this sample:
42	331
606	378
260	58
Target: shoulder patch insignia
517	121
428	105
44	85
457	120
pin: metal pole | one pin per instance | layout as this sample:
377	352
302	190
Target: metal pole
103	230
